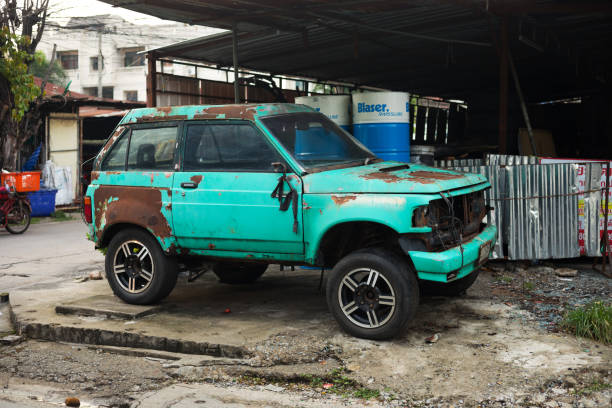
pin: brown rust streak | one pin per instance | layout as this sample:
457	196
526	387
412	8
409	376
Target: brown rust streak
422	177
386	177
196	179
436	175
230	112
94	175
134	205
341	200
154	118
164	109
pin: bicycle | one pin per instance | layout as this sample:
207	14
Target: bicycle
15	210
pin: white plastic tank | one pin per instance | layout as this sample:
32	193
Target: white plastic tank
335	107
381	122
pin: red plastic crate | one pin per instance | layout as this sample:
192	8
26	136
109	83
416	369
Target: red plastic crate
23	182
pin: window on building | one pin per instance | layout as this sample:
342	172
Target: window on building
93	63
132	58
108	92
130	95
228	147
68	59
90	90
152	149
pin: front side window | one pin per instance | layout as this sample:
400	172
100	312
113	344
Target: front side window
315	141
227	147
115	158
152	149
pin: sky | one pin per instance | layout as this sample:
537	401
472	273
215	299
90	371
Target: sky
62	10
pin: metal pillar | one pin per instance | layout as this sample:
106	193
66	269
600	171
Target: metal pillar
100	61
235	58
503	86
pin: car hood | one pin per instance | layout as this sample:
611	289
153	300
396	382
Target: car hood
389	177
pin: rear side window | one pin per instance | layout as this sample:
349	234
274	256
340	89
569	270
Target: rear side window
152	149
115	158
227	147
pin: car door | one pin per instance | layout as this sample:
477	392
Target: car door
222	197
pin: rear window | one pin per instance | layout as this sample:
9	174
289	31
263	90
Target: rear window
149	149
115	158
152	149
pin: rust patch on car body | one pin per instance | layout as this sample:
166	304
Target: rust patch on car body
196	179
94	175
386	177
422	177
132	205
436	175
341	200
246	112
154	118
211	246
164	109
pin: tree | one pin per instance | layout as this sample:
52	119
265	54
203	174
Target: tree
41	67
21	28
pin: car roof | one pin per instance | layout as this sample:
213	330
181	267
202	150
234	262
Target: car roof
187	112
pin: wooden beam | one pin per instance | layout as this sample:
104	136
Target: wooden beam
151	79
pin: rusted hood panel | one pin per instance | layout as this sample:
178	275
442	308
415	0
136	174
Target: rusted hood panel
417	179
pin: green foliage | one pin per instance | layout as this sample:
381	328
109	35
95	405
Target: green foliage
529	286
593	321
595	386
60	216
14	67
40	65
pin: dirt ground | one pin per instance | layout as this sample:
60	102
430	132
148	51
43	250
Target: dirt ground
499	345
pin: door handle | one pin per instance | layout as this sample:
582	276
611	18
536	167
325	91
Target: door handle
189	185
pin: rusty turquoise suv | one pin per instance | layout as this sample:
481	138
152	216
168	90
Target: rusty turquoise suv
239	187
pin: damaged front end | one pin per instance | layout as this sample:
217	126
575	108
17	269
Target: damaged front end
457	241
452	220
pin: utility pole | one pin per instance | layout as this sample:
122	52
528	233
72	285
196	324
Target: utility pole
100	64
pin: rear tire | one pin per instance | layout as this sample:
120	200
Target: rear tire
238	273
373	293
451	289
18	218
137	269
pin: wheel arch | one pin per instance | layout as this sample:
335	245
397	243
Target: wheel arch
339	239
111	230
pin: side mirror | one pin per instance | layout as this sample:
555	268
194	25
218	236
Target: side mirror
279	165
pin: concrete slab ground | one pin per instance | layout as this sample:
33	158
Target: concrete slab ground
485	346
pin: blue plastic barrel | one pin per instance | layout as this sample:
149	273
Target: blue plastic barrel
381	122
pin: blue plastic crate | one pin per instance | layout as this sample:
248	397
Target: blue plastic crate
43	202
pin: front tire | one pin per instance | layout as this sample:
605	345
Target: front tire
373	294
239	273
137	269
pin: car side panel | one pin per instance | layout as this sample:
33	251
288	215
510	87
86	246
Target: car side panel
134	197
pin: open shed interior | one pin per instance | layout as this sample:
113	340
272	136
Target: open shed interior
557	52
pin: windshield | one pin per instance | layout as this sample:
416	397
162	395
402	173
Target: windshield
315	141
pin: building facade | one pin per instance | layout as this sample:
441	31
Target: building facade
122	72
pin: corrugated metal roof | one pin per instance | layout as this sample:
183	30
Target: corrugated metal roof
444	47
